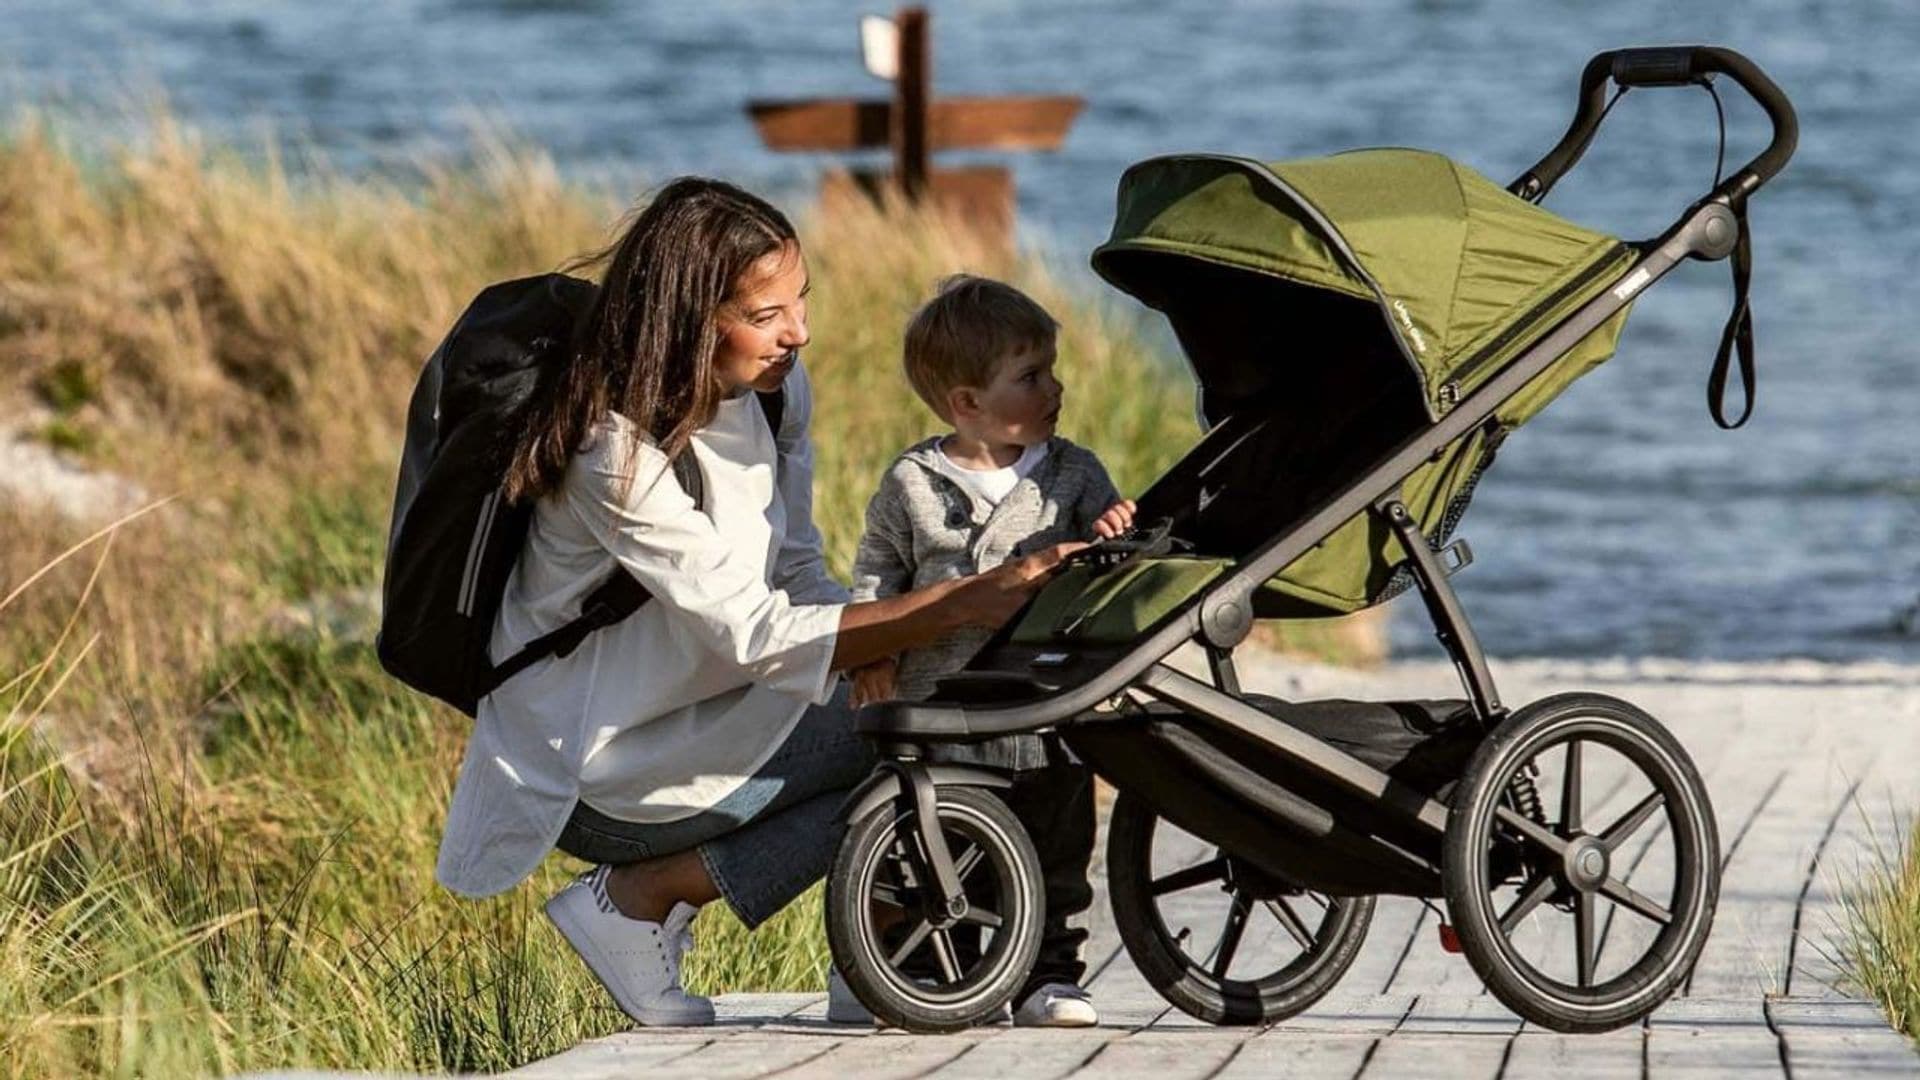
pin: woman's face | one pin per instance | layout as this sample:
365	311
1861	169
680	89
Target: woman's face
764	324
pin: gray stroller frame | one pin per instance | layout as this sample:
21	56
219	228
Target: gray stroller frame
929	844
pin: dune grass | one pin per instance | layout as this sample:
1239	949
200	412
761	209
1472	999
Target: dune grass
217	816
1876	941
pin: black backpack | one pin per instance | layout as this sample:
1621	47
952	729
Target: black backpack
455	537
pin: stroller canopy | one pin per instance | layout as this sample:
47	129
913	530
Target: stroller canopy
1450	259
1331	309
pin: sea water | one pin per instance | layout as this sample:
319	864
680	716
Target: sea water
1620	522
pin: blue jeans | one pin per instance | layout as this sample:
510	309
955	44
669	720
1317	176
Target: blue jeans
768	840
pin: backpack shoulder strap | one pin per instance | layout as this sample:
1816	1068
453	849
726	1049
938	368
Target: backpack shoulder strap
619	596
774	404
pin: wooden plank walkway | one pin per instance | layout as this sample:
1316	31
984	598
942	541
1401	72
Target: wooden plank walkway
1808	765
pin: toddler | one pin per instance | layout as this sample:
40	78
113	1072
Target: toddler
998	486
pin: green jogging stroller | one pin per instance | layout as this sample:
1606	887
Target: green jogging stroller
1364	329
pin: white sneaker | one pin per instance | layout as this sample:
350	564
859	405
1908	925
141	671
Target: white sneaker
842	1006
637	961
1056	1004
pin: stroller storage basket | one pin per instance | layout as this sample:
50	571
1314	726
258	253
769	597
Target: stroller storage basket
1264	807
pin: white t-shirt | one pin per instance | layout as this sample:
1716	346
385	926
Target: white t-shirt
990	484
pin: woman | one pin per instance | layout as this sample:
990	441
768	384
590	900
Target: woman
700	748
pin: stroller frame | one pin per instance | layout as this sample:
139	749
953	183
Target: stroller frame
1221	616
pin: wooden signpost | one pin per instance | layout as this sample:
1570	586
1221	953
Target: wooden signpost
913	124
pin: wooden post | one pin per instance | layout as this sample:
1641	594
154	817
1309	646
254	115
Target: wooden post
911	94
913	124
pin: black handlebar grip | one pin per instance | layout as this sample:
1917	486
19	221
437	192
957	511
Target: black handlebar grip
1669	66
1676	65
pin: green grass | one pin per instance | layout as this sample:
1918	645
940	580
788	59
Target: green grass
1877	941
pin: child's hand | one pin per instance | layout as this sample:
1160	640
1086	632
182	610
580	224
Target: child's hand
873	682
1117	519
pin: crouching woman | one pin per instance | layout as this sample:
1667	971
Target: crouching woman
700	748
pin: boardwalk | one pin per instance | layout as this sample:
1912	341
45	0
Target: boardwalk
1805	763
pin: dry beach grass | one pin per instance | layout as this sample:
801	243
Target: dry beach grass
217	816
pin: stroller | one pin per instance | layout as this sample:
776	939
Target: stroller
1364	329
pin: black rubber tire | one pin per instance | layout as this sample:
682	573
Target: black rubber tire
1466	876
1186	982
969	817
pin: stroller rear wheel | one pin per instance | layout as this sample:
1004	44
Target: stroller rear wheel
909	962
1585	909
1277	948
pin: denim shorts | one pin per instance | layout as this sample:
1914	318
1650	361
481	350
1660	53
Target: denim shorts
768	840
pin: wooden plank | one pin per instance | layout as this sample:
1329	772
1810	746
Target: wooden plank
1536	1051
625	1054
1158	1055
1401	925
1868	836
749	1055
1840	1039
1009	122
1437	1014
887	1054
1752	937
1705	1037
1423	1057
1285	1055
1028	1053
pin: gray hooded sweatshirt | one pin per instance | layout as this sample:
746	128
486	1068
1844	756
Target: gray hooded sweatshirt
923	528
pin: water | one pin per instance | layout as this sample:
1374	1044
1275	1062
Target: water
1621	522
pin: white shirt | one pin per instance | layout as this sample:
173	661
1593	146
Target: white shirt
662	714
991	485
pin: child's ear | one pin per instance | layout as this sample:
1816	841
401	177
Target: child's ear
963	401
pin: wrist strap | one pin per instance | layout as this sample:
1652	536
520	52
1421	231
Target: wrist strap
1738	335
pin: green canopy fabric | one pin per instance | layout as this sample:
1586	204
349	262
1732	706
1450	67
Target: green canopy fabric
1450	257
1463	275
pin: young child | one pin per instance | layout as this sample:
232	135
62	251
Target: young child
999	485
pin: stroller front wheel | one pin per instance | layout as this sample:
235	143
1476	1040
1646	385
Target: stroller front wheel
915	966
1581	863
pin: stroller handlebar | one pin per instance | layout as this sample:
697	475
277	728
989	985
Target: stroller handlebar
1681	65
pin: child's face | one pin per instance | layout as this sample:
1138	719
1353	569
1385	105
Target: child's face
1021	406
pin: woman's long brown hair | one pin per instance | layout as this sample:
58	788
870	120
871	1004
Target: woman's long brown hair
644	349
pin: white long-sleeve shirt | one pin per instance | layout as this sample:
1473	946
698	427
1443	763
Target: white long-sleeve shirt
664	713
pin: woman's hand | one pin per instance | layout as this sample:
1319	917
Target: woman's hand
991	598
873	682
1118	519
876	629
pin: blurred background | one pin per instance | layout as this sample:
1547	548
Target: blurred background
1619	523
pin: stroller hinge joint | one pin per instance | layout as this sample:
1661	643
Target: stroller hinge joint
1450	624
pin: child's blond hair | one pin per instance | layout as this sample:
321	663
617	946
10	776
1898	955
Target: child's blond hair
958	337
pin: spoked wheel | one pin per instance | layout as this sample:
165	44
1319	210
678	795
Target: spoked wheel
1220	939
902	957
1581	863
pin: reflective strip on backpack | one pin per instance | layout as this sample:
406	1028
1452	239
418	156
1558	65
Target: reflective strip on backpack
470	577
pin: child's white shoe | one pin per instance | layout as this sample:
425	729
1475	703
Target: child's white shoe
1056	1004
636	960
